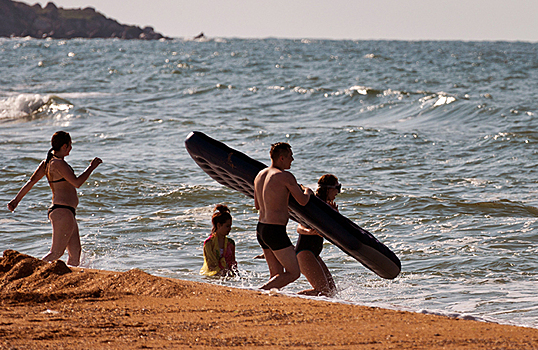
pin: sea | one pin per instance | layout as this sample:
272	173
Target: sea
434	142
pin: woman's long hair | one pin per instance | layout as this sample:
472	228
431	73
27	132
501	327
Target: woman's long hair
323	183
221	214
59	139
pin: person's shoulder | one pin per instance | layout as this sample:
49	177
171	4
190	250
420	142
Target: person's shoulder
43	164
287	175
57	162
230	241
262	173
41	169
278	172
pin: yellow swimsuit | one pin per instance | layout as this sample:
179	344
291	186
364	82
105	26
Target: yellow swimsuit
213	261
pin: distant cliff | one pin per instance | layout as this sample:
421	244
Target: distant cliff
20	20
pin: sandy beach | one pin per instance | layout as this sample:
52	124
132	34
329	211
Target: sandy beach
52	306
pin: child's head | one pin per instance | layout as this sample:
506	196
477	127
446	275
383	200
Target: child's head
328	186
221	219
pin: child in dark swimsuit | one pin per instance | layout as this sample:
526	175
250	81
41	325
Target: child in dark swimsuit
310	245
65	234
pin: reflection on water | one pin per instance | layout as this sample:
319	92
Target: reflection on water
435	144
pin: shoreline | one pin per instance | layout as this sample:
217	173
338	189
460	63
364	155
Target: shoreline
49	305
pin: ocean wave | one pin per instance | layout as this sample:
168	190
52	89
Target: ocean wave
22	105
435	148
75	95
499	208
29	105
436	100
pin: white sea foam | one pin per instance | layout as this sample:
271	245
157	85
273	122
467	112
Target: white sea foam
435	167
75	95
444	100
22	105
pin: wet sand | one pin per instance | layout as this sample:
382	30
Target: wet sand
52	306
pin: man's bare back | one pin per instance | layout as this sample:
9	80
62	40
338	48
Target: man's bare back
272	195
273	186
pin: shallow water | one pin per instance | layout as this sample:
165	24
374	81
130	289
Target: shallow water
434	142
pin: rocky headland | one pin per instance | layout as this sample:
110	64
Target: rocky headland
18	19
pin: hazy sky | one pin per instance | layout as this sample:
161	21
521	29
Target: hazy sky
327	19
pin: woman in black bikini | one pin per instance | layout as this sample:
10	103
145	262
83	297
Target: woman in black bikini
63	183
310	244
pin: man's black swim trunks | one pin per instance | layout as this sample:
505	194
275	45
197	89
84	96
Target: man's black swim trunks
272	237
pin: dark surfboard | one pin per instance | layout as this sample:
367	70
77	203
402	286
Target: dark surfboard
237	171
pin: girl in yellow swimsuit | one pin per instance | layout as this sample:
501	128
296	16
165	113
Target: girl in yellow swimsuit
219	250
63	183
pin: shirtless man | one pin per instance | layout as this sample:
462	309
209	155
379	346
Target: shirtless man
63	183
272	188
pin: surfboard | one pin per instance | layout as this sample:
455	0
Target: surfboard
237	171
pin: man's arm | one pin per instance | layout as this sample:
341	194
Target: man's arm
256	185
256	204
297	191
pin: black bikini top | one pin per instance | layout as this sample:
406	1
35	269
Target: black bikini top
62	179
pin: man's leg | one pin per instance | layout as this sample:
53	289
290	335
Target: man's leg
274	265
288	261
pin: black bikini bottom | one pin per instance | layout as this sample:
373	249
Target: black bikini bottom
313	243
58	206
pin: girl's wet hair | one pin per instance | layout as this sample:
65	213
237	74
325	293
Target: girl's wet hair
59	139
323	182
221	214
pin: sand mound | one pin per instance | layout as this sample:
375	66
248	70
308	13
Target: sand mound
26	279
52	306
